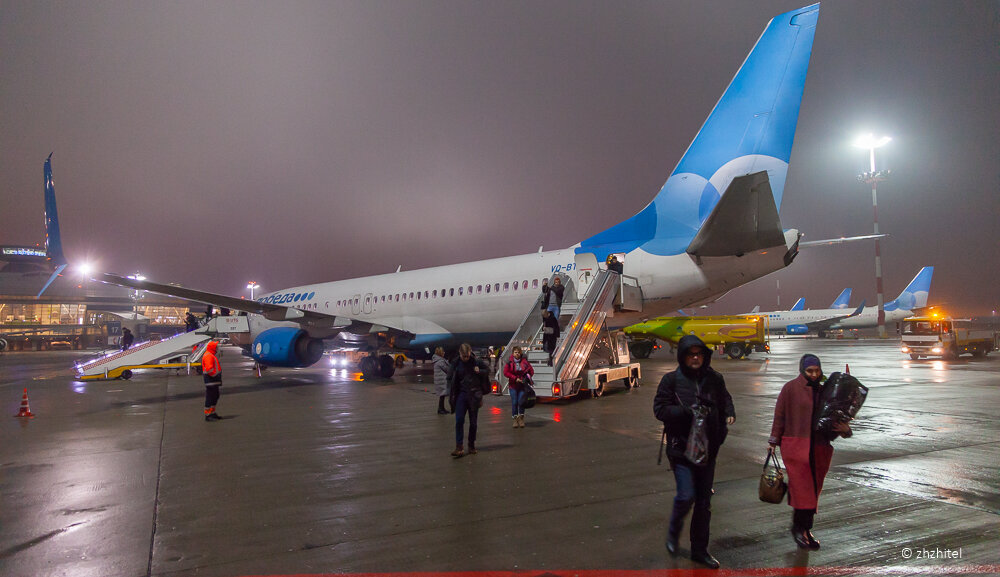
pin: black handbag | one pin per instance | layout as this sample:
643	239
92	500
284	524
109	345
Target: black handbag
529	396
772	487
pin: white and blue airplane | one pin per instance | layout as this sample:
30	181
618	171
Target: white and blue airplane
802	322
712	227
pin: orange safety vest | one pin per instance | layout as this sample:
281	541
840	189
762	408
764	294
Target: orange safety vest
209	362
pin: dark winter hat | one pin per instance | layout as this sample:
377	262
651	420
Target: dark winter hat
809	361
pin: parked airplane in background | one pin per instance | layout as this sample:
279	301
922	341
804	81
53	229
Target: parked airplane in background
838	303
26	266
713	226
909	302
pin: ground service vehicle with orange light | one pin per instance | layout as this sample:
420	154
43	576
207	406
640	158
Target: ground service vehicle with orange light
946	337
736	336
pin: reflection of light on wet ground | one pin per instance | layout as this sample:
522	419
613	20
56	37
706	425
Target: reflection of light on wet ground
496	410
557	416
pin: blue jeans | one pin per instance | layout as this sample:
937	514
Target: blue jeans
554	309
517	402
694	487
465	403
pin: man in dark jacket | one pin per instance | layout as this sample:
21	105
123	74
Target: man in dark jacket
693	384
127	339
550	333
469	381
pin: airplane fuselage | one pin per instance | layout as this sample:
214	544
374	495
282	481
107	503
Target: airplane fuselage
478	301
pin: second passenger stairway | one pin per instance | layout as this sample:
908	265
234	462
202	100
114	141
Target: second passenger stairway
151	354
587	355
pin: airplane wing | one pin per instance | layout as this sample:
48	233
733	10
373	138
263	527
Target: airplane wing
827	322
319	322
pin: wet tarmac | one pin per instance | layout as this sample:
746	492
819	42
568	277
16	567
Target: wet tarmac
314	472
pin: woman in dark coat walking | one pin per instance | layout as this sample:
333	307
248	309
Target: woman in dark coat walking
807	452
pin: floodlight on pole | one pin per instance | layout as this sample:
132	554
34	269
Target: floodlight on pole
873	177
136	294
252	285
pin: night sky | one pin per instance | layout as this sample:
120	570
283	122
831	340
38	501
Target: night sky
211	143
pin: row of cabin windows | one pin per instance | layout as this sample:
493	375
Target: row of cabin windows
445	292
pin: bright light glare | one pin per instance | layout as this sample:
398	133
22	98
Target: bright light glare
85	269
869	141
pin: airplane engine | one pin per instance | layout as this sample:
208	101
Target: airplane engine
286	347
797	330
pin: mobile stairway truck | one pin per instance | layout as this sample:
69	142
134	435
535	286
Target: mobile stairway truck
588	356
163	354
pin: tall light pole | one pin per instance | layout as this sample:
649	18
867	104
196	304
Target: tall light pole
252	285
873	177
136	295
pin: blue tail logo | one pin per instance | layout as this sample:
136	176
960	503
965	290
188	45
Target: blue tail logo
750	130
53	242
841	302
914	296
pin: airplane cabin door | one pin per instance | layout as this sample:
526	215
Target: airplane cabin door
586	270
368	303
356	305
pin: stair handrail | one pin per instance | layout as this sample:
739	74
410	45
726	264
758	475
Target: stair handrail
594	303
534	316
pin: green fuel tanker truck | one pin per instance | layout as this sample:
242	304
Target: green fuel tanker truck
736	336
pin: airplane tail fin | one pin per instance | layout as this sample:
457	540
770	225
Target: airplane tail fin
742	150
841	302
756	309
53	240
914	296
799	304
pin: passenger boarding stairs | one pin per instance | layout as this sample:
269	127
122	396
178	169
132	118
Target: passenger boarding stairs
150	354
582	325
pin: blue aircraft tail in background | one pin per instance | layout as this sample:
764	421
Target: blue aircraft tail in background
799	304
53	241
914	296
841	301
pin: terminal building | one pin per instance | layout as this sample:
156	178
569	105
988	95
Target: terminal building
77	313
46	304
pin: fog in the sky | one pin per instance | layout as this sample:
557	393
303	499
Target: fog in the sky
211	143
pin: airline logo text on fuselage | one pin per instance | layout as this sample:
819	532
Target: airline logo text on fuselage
283	298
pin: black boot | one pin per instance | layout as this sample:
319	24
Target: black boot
800	538
706	559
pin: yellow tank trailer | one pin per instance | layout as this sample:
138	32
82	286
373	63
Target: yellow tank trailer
736	336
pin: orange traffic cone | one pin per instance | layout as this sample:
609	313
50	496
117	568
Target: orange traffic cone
847	368
25	411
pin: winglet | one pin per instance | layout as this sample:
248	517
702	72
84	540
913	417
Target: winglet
799	304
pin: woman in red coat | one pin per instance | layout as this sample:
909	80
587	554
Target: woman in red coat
807	452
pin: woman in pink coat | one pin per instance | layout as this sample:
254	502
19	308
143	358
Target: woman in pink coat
807	452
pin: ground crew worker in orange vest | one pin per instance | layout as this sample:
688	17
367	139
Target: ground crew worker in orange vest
212	371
